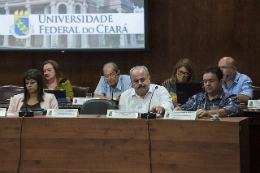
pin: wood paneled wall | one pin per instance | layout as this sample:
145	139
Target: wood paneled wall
201	30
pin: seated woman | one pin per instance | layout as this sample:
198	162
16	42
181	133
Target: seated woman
33	96
54	79
183	72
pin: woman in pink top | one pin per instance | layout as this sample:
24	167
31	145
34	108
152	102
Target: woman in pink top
33	96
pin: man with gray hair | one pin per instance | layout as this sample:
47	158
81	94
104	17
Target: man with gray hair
144	96
112	84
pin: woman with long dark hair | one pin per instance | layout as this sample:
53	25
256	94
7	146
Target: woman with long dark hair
33	96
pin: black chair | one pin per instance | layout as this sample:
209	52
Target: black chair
8	91
256	92
79	91
97	106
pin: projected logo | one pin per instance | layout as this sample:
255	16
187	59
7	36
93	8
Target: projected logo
21	28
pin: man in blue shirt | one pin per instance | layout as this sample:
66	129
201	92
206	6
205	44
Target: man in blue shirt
112	84
228	103
234	82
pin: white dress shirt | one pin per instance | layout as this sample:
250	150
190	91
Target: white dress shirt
129	100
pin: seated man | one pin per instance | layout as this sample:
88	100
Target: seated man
228	103
112	83
234	82
144	96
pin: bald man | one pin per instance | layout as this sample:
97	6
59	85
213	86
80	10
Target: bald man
234	82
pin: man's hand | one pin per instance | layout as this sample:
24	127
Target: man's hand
178	109
157	109
203	113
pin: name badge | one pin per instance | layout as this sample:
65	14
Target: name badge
111	113
180	115
253	104
2	112
80	100
62	112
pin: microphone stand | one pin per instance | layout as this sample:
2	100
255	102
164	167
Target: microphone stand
116	101
149	115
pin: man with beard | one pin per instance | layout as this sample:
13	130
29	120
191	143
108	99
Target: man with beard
144	96
228	103
234	82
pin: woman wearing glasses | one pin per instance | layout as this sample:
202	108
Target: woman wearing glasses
182	72
54	78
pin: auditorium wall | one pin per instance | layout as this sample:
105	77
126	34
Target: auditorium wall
201	30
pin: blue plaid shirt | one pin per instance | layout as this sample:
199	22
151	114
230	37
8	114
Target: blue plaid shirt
104	89
228	101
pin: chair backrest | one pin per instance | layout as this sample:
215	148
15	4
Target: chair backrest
97	106
80	91
8	91
256	92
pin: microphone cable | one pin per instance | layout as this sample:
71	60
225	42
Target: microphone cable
20	146
150	147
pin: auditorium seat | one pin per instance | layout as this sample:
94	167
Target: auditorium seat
80	91
8	91
97	106
256	92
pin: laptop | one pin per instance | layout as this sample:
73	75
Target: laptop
187	89
59	94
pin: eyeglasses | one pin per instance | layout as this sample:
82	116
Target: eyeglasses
225	67
112	75
180	73
210	81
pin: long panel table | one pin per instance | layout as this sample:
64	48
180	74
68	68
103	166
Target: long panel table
200	146
97	144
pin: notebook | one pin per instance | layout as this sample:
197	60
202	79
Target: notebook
59	94
187	89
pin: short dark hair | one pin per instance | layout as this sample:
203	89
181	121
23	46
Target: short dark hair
115	67
215	70
36	75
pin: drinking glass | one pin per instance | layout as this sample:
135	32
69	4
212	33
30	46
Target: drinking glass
88	95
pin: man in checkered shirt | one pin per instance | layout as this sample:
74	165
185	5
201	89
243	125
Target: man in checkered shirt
228	103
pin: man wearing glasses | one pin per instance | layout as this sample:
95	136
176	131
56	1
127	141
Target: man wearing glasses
228	103
112	84
235	82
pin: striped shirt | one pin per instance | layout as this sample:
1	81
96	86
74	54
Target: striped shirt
171	88
228	101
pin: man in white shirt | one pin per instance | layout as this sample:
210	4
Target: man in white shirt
144	96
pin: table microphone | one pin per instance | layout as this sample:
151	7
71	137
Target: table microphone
148	114
116	101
